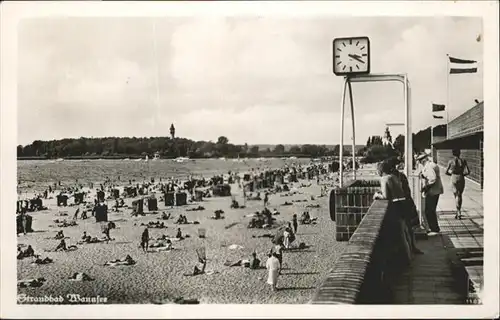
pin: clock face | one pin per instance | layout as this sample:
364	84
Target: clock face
351	56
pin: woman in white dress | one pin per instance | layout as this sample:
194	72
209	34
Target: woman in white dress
286	238
273	266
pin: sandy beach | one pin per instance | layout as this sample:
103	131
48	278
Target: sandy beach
157	277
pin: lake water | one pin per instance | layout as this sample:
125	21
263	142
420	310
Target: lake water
37	175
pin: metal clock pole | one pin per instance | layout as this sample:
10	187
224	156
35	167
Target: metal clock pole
341	150
353	131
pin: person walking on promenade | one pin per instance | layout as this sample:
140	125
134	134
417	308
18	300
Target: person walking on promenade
432	188
457	169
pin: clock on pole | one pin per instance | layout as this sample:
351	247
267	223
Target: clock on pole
351	56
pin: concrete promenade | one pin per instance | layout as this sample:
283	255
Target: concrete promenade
451	269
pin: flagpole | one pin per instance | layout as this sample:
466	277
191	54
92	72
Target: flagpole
432	135
447	106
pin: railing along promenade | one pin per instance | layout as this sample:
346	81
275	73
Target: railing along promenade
377	267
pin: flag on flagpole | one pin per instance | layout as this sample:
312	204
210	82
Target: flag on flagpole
437	117
437	107
458	66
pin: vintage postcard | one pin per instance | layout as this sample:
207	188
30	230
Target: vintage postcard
263	159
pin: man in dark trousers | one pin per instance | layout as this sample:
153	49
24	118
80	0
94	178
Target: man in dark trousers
432	188
295	223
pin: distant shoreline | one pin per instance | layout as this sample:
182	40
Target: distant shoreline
134	157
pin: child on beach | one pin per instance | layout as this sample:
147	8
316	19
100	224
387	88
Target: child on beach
254	262
278	252
179	234
106	233
75	216
286	238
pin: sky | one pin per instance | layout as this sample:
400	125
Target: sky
255	80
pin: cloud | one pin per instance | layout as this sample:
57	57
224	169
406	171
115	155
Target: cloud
252	79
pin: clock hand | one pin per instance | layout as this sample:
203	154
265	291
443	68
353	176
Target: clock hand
356	57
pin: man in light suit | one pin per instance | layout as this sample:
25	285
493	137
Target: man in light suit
432	188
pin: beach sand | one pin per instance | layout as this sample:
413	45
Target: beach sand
158	277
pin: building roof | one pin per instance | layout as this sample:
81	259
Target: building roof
468	124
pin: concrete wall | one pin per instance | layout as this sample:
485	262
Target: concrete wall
374	255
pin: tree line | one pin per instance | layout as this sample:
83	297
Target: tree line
114	147
375	151
166	147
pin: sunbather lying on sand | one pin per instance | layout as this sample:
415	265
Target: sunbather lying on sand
161	245
38	260
31	282
218	215
64	223
165	237
297	246
80	276
164	216
182	220
287	203
29	252
88	239
313	206
252	263
127	261
198	208
265	235
154	225
62	247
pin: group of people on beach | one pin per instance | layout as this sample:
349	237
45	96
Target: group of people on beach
273	176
